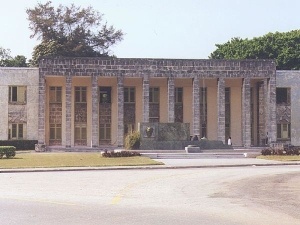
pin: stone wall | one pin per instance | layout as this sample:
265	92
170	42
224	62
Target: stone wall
164	131
157	67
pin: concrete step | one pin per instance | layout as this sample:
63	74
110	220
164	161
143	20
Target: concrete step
205	155
81	148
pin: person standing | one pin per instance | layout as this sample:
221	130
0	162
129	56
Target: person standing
229	141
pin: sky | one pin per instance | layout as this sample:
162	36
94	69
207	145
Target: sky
179	29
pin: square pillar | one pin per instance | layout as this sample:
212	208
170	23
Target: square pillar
146	99
272	123
266	109
68	111
196	106
221	110
95	113
261	113
120	92
42	115
246	110
171	100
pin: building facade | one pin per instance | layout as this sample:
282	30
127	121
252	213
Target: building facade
19	102
94	102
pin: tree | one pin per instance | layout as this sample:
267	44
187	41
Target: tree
7	61
283	47
70	31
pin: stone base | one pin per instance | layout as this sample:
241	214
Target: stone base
192	149
40	147
252	154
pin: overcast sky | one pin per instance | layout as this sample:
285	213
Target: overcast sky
163	28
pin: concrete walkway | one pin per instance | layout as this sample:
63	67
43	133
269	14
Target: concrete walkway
170	164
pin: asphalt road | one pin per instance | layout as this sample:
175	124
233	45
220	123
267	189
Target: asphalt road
238	195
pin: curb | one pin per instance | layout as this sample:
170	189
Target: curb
74	169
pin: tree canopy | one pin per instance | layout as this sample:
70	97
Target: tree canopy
6	60
70	31
283	47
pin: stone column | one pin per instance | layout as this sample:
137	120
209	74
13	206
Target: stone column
261	114
95	113
196	106
120	92
68	111
272	123
221	110
266	109
246	110
146	99
41	120
171	100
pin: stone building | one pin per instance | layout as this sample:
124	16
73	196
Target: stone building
94	102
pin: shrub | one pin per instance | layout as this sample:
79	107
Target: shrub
278	152
292	150
8	151
133	140
266	151
113	154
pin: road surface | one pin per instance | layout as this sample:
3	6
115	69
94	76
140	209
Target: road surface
229	196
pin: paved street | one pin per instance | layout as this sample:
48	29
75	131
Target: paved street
238	195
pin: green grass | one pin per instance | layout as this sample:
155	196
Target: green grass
50	160
280	157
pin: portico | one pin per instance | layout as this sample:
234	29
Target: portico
93	102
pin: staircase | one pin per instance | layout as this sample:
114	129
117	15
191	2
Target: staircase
204	154
81	148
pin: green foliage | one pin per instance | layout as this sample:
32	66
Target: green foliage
133	140
283	47
286	150
113	154
7	61
266	151
8	151
70	31
20	144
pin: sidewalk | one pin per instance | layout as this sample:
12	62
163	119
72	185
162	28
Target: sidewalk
170	164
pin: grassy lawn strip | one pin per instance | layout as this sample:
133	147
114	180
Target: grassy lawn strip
50	160
280	157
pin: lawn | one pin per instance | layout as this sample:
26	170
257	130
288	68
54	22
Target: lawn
50	160
280	157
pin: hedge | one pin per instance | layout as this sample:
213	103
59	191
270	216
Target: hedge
112	154
8	151
20	144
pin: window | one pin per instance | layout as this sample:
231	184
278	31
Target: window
17	94
80	94
105	95
128	128
129	95
55	95
284	131
178	104
16	131
105	131
283	96
154	109
154	95
80	132
179	95
55	131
